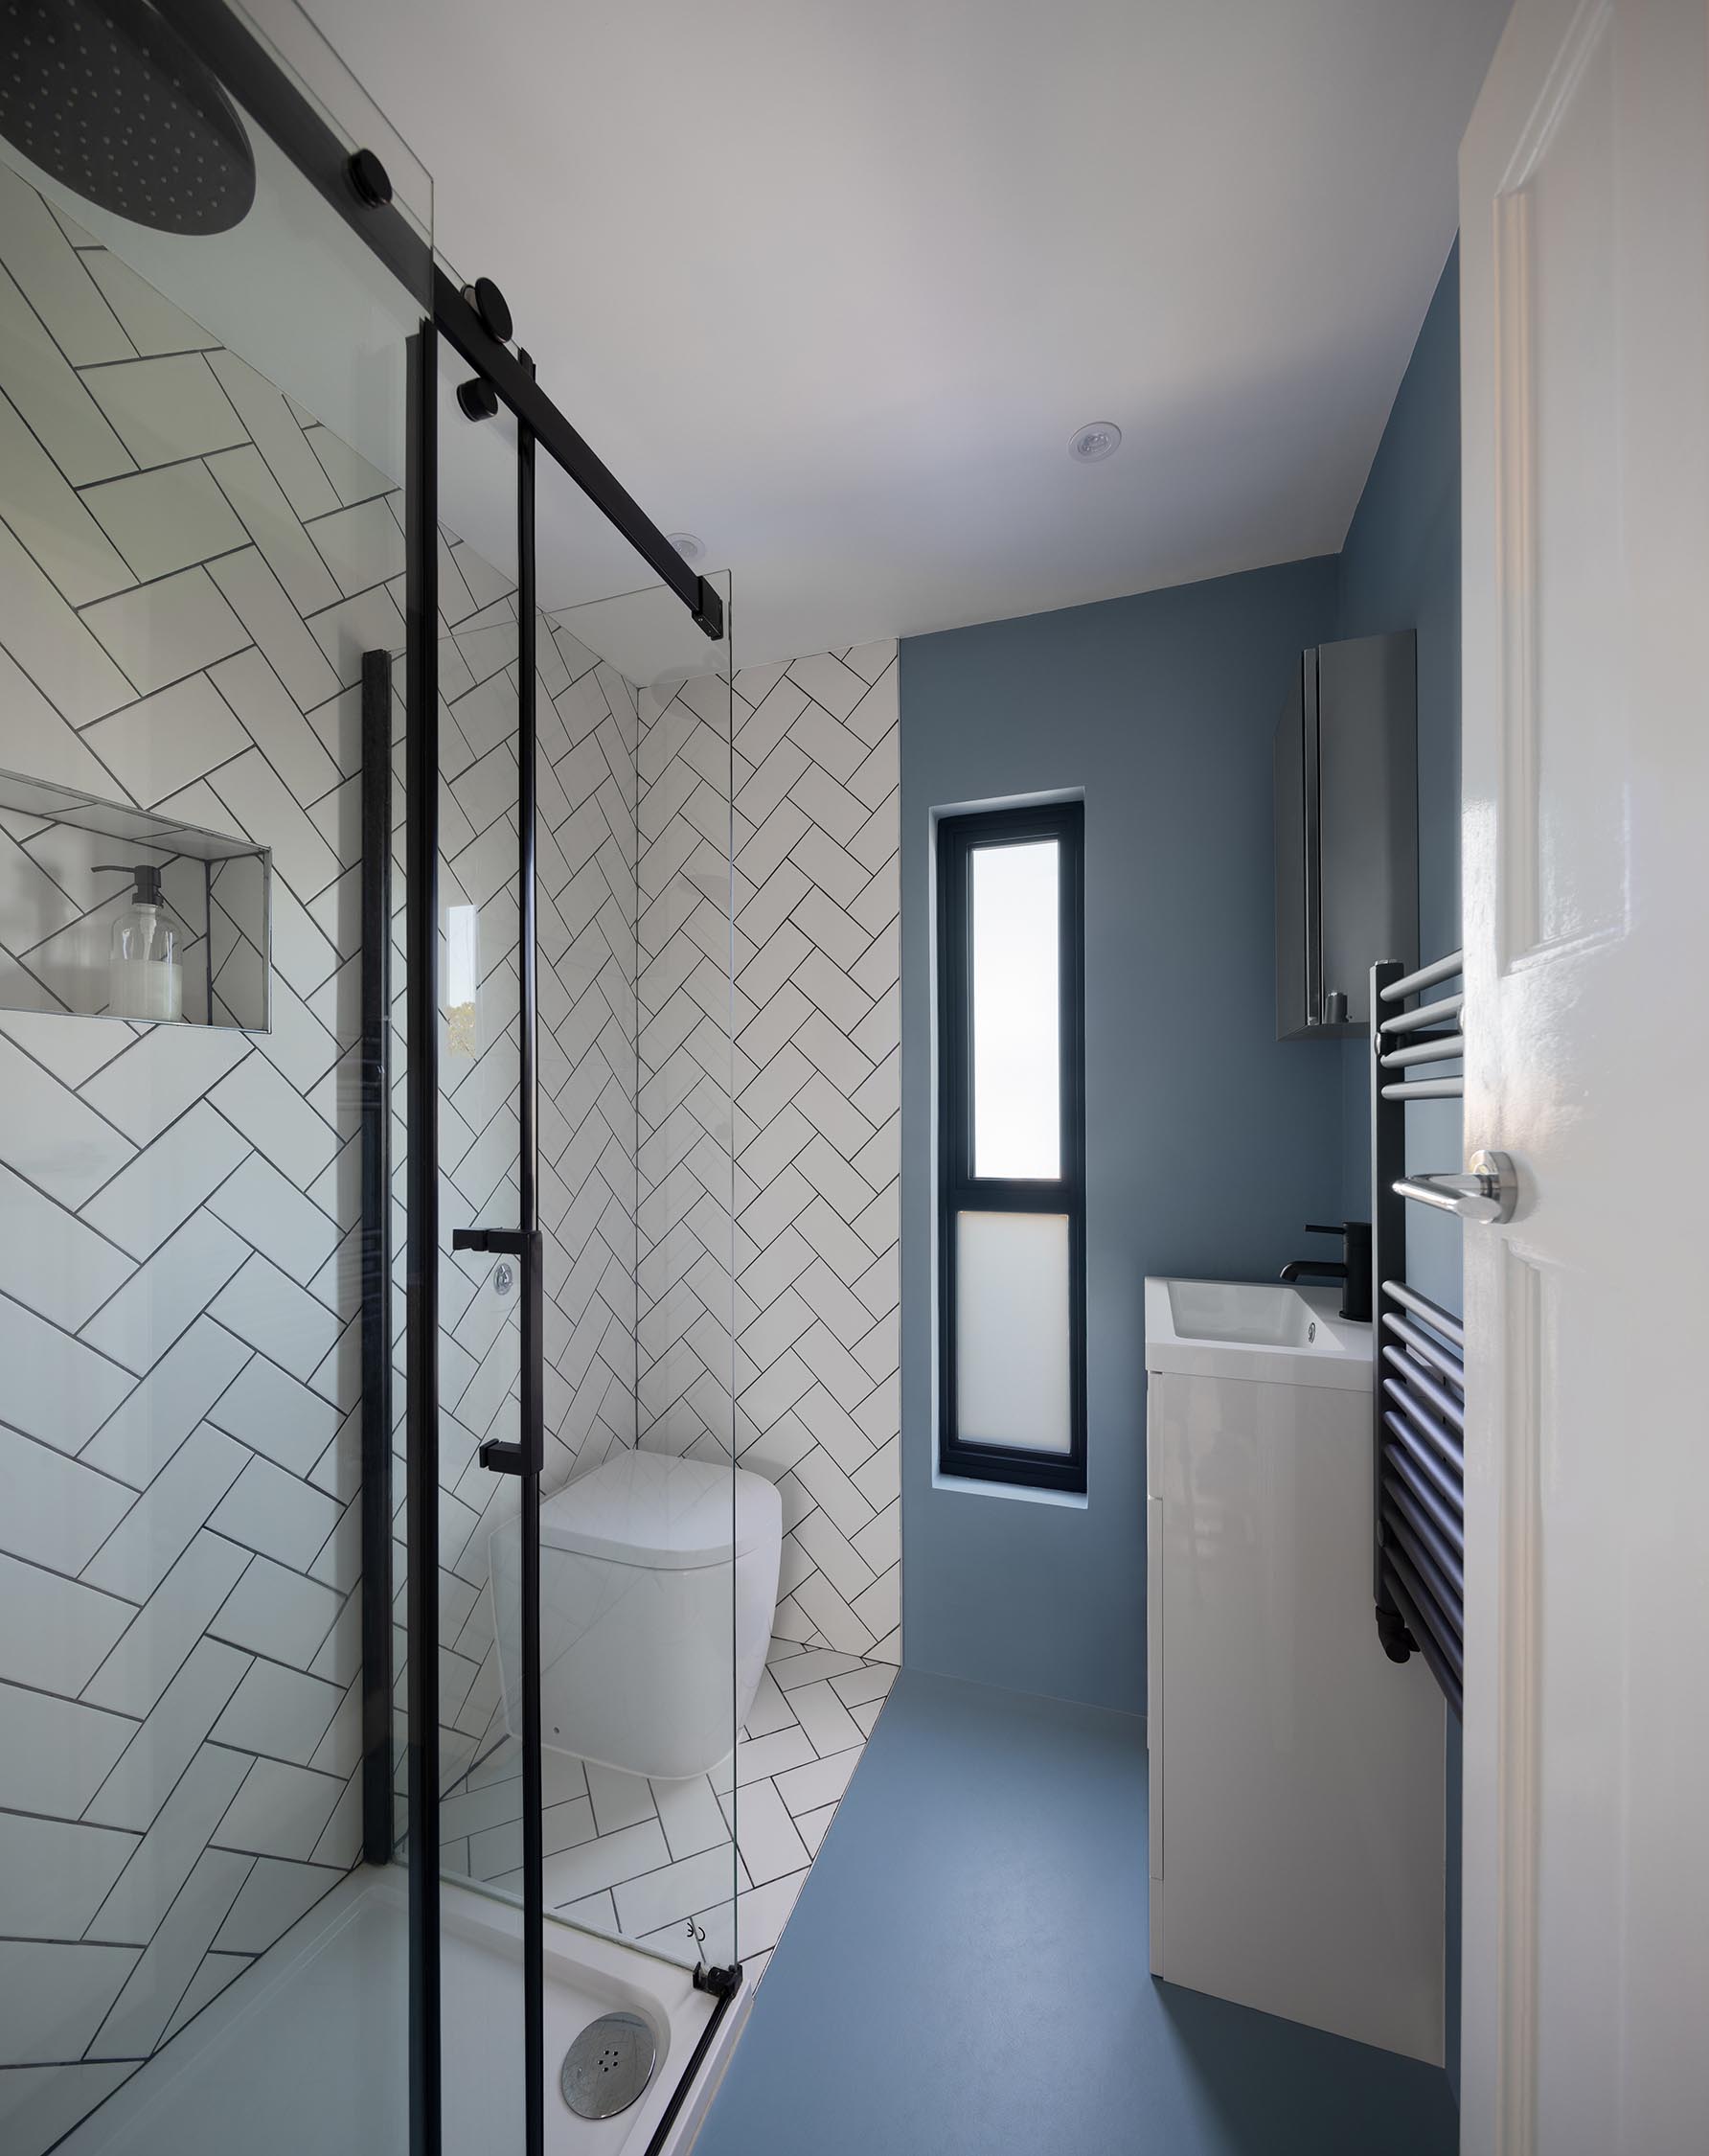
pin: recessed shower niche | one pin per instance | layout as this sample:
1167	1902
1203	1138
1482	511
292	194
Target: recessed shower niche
106	912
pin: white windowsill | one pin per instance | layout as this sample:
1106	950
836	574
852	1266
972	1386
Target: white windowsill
969	1485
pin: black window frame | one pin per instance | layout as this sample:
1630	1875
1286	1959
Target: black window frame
959	837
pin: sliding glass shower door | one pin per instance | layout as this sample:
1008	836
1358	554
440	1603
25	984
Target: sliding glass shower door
639	1521
584	1495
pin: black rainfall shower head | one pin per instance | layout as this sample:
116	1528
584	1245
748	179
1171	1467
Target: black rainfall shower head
108	99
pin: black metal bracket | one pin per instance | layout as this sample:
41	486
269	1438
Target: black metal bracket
477	399
1393	1635
491	306
502	1241
709	610
371	180
720	1983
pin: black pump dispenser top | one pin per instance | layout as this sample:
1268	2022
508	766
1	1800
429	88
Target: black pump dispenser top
148	891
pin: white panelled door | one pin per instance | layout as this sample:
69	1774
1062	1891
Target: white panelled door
1585	281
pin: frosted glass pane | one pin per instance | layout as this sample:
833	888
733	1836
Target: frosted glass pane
1017	1127
1012	1330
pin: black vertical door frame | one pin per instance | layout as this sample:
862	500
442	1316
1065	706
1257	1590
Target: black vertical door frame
379	1831
524	1456
532	1433
421	1265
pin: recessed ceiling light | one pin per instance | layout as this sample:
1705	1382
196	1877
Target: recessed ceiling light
687	546
1097	440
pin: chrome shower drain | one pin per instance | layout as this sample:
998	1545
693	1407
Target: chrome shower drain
608	2066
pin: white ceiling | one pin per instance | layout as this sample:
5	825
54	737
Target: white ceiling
831	285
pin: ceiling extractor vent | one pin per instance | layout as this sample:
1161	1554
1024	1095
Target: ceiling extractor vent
1097	440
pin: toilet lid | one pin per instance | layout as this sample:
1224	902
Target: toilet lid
667	1514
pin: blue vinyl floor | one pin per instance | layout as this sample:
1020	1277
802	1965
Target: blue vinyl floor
965	1973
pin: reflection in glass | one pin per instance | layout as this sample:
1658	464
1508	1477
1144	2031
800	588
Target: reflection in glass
461	979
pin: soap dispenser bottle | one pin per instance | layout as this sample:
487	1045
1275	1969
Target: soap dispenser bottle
145	979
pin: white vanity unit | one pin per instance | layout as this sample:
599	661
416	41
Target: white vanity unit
1297	1812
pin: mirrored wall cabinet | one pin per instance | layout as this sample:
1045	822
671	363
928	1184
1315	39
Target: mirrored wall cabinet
1346	832
109	913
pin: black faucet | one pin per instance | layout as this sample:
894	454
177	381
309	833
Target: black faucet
1352	1270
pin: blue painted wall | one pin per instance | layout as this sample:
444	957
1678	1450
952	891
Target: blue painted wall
1210	1142
1400	568
1207	1139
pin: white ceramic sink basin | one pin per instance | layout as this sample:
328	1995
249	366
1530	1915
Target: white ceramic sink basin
1263	1330
1262	1316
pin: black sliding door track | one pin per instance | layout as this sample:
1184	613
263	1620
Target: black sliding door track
257	81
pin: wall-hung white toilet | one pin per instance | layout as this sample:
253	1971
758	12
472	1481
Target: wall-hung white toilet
647	1634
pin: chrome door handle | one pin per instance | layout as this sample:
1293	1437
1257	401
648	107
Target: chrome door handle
1487	1194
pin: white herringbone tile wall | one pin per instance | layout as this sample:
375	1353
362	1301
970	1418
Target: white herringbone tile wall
818	1133
814	1239
637	1072
683	1123
816	1001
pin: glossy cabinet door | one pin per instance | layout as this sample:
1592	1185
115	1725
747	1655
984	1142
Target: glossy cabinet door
1297	1805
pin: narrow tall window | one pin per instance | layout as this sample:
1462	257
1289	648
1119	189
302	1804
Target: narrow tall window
1011	1148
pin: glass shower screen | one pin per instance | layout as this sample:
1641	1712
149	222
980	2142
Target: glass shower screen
638	1515
202	433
